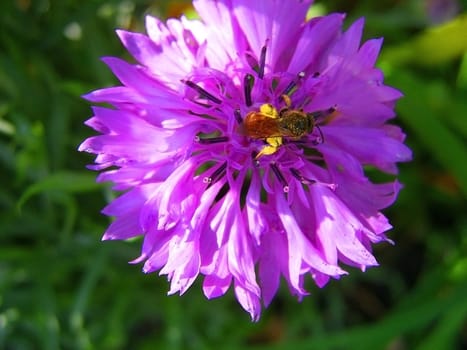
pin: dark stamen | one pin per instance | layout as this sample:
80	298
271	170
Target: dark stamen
248	82
211	140
306	181
280	177
262	62
202	92
202	115
316	75
252	62
238	116
216	175
301	178
293	84
205	105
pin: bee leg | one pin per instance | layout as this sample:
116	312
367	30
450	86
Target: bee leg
271	148
287	100
269	110
267	150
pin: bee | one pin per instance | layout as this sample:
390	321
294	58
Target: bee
273	126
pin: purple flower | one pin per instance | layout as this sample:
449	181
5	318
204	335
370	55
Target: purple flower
240	142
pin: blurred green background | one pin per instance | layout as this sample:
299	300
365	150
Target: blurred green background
62	288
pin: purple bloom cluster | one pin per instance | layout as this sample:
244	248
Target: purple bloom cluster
244	204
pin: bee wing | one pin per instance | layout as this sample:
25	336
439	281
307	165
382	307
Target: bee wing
259	125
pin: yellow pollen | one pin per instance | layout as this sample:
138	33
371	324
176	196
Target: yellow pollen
273	142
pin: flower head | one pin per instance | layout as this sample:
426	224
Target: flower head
240	141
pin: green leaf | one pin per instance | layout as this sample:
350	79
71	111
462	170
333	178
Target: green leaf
433	47
405	320
65	181
443	336
416	110
462	77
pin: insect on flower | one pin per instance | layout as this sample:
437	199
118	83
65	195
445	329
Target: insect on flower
271	125
206	95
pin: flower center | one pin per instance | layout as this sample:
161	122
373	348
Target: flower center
272	125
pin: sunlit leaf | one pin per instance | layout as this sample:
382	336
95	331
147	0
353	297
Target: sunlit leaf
462	77
432	47
448	148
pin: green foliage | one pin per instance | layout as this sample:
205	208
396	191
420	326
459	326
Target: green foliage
61	288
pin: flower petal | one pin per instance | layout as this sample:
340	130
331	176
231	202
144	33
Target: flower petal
274	22
315	40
